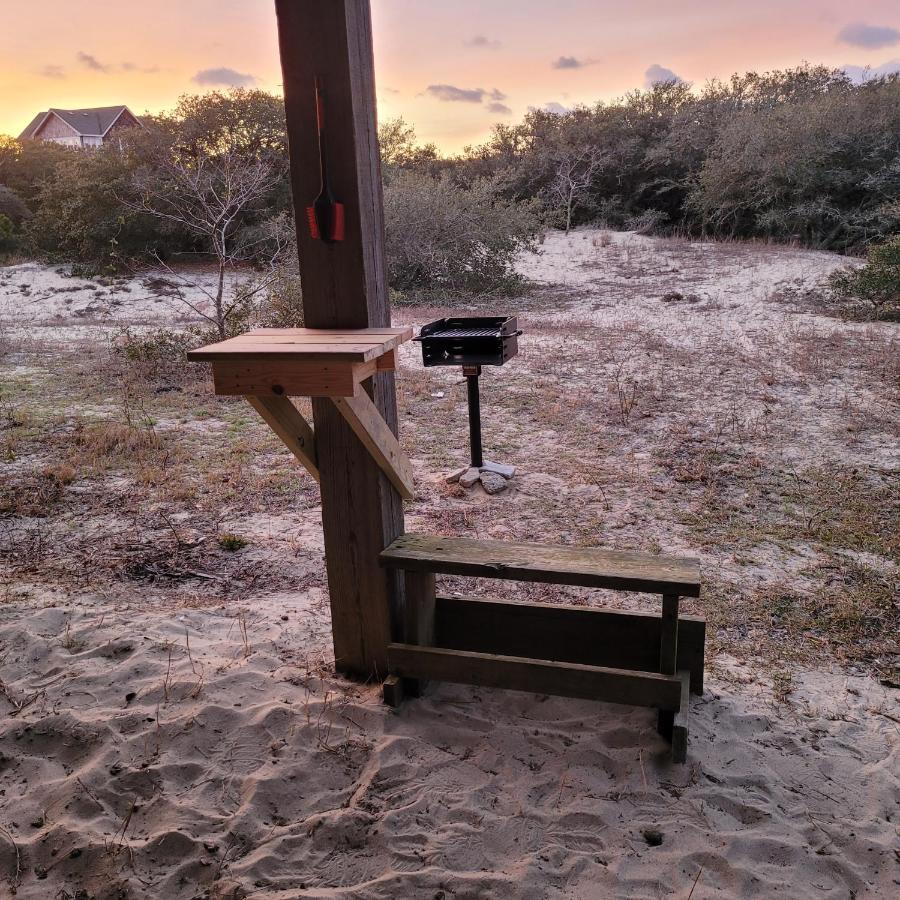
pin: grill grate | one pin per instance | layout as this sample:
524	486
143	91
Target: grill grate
466	332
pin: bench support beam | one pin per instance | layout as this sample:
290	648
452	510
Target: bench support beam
536	675
565	633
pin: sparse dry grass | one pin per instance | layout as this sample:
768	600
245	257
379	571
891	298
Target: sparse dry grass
129	475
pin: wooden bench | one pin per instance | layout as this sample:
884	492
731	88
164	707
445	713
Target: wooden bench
643	659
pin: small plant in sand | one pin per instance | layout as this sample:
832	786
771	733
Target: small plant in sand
782	685
231	542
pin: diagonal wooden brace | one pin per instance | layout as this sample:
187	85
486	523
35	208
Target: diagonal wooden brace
363	417
285	420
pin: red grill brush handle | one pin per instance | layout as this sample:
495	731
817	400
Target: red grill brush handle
326	216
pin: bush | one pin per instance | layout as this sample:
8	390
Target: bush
877	283
442	237
78	213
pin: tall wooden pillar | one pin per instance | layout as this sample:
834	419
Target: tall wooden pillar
344	286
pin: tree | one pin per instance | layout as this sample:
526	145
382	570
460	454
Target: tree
78	215
574	169
211	197
400	149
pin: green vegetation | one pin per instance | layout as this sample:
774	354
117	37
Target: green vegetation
877	283
799	155
802	155
231	542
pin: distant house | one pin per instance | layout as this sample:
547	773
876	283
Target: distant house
79	127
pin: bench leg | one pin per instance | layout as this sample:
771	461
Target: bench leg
392	691
668	652
418	621
680	721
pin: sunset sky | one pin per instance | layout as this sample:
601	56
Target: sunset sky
450	68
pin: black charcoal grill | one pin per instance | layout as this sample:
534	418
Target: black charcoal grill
471	342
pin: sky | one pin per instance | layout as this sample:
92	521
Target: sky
452	69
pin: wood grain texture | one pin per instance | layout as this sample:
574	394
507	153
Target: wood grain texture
272	377
679	736
403	331
565	633
418	620
537	676
545	563
354	345
285	420
344	286
381	443
392	691
387	362
668	638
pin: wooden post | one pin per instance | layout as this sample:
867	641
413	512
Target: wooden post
418	624
344	286
668	654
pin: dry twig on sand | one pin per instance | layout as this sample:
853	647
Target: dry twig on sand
17	875
18	705
694	885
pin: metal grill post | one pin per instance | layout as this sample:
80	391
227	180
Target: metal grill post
472	373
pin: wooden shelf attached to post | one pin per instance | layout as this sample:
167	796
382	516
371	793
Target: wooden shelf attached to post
270	365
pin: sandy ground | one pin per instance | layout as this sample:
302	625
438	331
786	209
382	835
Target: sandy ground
175	736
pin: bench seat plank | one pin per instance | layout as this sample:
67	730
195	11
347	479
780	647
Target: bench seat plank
586	567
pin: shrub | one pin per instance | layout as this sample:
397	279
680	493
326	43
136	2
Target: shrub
444	237
79	217
877	283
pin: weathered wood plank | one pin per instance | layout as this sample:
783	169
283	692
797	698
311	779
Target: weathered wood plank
404	332
272	377
680	721
566	633
380	341
392	691
344	286
348	345
668	649
260	352
418	620
285	420
387	362
537	676
545	563
366	422
668	638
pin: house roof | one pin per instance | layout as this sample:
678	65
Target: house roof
85	122
32	125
